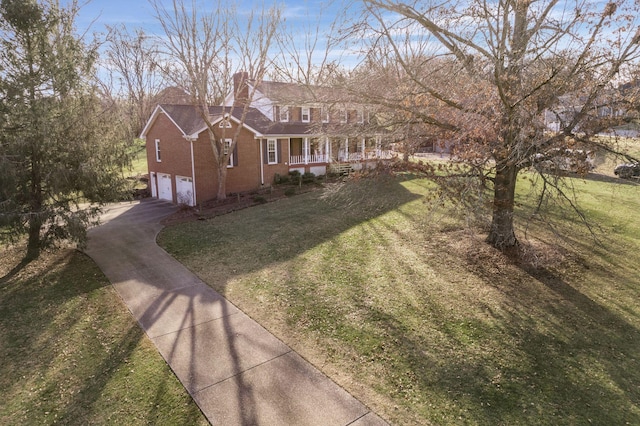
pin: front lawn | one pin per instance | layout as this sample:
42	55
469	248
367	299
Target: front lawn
401	303
71	353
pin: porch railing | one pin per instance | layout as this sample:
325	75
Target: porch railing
313	158
342	157
377	154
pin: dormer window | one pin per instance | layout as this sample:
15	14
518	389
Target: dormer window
284	113
361	116
225	124
305	114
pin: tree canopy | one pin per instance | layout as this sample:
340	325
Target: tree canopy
489	75
58	146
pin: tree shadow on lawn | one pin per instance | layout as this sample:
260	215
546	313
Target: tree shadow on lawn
579	360
252	239
544	350
62	344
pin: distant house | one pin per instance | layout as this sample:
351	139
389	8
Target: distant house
287	127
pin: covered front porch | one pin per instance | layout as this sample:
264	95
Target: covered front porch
324	150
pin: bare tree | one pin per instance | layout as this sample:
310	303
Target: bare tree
307	53
204	49
132	61
488	72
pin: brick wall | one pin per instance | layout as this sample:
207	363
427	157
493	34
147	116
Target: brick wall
176	159
175	153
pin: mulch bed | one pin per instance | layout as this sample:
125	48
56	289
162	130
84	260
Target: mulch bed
213	208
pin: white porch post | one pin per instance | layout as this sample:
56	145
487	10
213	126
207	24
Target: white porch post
364	149
346	149
326	149
306	150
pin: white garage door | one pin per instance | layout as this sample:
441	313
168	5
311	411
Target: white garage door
184	190
164	187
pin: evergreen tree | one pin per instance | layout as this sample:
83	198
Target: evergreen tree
58	149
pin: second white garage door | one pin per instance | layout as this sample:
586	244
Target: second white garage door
184	190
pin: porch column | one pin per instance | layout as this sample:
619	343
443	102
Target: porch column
364	141
346	149
327	146
306	150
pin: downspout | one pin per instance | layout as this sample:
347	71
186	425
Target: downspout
261	163
193	173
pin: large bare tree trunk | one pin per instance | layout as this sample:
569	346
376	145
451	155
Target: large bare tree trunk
222	182
501	234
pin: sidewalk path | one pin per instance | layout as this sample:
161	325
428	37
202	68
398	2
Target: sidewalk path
237	372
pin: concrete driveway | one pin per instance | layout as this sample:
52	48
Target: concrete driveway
237	372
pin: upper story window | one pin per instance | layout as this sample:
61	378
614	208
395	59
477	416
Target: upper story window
305	114
361	116
225	124
344	115
158	159
283	113
325	114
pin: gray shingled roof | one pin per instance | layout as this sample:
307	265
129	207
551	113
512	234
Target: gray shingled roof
296	93
190	122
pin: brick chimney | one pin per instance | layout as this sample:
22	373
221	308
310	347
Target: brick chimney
240	88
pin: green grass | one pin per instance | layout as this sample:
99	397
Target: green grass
70	352
406	307
138	159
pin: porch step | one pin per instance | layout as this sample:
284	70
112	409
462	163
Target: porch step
340	168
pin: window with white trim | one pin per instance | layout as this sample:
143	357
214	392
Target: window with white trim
305	114
272	153
158	159
225	123
344	115
226	147
361	116
284	113
325	114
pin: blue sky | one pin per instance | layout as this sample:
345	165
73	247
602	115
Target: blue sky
301	17
138	13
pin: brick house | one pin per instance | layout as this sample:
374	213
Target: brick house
287	127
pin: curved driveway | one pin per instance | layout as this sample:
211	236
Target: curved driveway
237	372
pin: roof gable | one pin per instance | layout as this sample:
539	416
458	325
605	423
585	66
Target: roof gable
154	116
